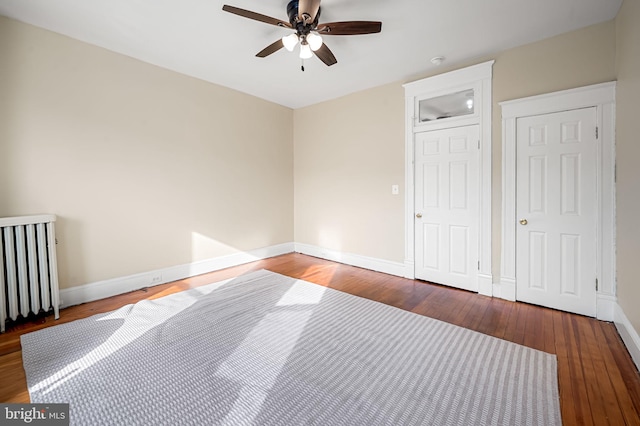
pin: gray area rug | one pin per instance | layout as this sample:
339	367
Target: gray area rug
266	349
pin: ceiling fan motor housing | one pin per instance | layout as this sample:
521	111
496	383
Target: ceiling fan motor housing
292	13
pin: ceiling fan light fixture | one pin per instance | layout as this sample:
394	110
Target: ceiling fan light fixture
290	41
315	41
305	51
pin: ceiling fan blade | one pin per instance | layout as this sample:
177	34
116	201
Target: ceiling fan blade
273	47
309	8
326	55
255	16
350	28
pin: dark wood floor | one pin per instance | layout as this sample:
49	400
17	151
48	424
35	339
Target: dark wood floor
599	384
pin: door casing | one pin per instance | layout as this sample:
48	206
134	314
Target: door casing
477	77
602	97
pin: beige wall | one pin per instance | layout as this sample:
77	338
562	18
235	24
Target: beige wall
347	154
627	158
345	166
145	168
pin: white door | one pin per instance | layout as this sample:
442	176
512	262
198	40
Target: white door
556	208
446	206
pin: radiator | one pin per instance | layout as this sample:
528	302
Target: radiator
28	269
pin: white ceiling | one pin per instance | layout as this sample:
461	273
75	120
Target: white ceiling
195	37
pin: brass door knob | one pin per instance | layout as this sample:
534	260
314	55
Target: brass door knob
523	221
418	215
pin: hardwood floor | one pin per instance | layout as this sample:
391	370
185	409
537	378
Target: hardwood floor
599	383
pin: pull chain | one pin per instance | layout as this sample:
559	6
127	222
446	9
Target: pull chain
302	65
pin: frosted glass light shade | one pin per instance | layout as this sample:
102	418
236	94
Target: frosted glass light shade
290	41
315	41
305	51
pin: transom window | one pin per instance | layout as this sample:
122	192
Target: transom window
447	106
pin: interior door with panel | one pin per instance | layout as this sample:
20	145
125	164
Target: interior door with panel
556	208
446	206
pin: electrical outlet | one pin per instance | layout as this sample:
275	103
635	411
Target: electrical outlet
156	279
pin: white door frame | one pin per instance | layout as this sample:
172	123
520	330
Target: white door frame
601	96
477	77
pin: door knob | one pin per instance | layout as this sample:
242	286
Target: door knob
523	221
418	215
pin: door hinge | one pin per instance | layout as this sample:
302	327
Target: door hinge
478	265
596	284
478	143
596	132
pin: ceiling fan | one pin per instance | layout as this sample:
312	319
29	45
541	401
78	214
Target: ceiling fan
303	19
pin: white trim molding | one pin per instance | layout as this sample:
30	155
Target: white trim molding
477	77
606	306
365	262
602	97
628	334
505	289
112	287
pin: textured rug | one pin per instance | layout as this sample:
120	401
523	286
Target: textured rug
267	349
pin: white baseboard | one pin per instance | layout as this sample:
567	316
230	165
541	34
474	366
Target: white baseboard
409	269
485	285
107	288
505	289
628	334
379	265
605	307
